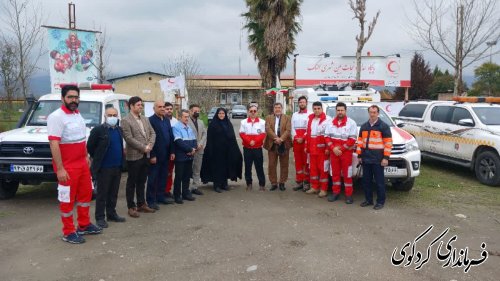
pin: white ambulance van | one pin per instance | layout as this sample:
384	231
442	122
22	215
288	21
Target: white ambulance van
25	156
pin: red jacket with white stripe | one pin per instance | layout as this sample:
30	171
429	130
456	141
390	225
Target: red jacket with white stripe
315	135
253	131
341	133
299	124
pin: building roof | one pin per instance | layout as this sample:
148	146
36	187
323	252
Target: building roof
236	77
137	74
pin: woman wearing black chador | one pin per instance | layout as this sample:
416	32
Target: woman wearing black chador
222	159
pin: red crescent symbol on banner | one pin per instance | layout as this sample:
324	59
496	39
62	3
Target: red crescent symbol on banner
169	80
389	66
388	108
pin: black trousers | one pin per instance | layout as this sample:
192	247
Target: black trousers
254	156
157	180
376	171
136	181
183	174
108	184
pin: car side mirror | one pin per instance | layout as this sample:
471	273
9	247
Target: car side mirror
466	122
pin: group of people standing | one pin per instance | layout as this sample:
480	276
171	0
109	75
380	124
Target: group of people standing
159	144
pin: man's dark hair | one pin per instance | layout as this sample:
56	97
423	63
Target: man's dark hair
184	111
317	103
341	104
374	106
278	103
168	104
302	98
194	105
133	100
66	88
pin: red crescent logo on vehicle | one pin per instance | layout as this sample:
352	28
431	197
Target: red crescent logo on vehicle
388	108
171	80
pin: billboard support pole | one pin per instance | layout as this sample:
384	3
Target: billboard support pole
72	15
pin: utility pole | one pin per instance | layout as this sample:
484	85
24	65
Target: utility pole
490	45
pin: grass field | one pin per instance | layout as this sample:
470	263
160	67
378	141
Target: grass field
448	186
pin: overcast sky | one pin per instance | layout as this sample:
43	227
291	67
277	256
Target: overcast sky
144	34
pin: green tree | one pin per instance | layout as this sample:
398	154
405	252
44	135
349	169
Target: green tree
487	80
421	80
272	26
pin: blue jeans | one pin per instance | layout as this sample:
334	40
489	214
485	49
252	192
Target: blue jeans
157	180
369	172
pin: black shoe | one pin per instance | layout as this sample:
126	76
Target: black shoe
348	200
366	203
154	206
378	206
196	192
116	218
225	187
179	201
333	197
166	201
188	198
273	187
168	195
102	223
299	187
217	189
282	187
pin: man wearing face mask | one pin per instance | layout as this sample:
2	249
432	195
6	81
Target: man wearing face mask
201	138
105	147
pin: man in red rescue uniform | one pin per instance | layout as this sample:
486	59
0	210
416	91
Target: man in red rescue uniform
67	137
340	136
316	147
299	128
253	133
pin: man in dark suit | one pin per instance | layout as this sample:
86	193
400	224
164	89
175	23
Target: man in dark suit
278	143
161	154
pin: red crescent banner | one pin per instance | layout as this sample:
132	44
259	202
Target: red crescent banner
378	71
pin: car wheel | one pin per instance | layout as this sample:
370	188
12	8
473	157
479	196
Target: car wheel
8	188
487	168
405	185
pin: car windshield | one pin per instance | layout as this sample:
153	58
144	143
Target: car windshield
359	114
488	115
239	107
90	111
213	109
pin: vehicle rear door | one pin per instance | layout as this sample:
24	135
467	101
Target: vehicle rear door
435	130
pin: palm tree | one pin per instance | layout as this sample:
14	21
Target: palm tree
272	26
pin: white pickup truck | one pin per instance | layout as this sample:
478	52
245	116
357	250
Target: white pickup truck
461	133
25	155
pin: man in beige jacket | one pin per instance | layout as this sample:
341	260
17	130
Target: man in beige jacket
201	139
278	143
140	138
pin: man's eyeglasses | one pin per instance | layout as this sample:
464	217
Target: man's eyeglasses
253	111
111	115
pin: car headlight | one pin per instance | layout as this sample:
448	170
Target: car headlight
412	145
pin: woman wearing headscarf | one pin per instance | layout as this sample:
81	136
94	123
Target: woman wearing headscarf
222	159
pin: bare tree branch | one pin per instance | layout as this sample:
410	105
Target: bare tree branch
457	31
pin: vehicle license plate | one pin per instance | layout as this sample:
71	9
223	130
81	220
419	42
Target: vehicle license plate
26	168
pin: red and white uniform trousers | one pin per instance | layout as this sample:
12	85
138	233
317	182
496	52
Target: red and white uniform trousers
299	128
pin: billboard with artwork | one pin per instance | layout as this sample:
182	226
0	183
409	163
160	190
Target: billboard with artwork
71	56
378	71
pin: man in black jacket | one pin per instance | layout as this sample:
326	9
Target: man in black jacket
105	146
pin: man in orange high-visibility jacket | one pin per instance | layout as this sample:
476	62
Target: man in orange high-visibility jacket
374	150
316	147
340	137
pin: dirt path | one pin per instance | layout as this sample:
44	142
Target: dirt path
286	235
